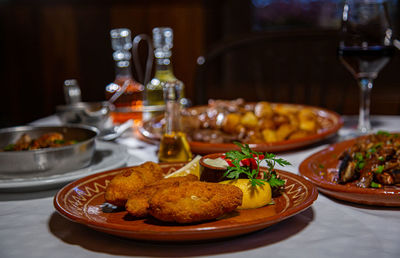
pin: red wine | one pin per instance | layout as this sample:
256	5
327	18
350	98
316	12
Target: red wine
365	62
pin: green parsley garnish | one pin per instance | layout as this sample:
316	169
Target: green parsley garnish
359	156
360	165
9	147
253	171
375	185
360	160
379	169
385	133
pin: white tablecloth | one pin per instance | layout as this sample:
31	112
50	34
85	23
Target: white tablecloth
30	226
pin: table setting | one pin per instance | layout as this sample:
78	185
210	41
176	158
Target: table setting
146	174
329	227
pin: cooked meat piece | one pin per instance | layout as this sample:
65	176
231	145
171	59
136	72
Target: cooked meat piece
23	143
138	203
47	140
194	202
370	160
131	180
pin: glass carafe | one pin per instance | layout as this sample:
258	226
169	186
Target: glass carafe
163	43
125	92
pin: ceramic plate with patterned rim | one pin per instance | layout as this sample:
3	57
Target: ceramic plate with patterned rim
83	201
316	167
151	130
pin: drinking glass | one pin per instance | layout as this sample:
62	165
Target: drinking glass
365	48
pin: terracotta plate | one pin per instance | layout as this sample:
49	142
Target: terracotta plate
315	169
151	130
82	201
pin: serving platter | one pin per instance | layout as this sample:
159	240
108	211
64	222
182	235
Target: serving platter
48	160
107	156
152	130
83	202
316	167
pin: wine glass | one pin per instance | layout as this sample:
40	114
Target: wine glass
365	48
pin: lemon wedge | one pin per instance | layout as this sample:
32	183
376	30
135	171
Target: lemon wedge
193	167
253	196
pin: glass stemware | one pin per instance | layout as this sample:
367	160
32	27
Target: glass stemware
365	48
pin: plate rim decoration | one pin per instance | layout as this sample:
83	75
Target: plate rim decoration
385	196
296	200
279	146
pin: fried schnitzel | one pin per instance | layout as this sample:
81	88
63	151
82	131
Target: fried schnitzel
143	191
196	201
131	180
138	203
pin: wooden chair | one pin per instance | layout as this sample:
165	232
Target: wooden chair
292	67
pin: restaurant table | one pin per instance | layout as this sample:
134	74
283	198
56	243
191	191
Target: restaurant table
30	226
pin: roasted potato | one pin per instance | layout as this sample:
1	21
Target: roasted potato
298	134
308	120
254	136
263	110
266	123
231	122
269	135
259	122
249	120
284	131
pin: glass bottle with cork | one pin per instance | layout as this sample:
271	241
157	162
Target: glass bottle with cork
162	42
125	92
174	146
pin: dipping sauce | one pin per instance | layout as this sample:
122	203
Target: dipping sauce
213	167
218	162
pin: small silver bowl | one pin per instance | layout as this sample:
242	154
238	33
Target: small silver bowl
95	114
47	161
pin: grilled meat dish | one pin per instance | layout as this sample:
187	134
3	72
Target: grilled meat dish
372	161
47	140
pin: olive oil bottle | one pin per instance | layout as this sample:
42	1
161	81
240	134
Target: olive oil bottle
174	146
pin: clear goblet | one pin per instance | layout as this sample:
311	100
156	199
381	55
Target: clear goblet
366	46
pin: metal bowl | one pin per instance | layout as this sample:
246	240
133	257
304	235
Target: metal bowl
95	114
55	160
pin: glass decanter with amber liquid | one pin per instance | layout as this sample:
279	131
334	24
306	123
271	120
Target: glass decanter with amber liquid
174	146
162	42
125	92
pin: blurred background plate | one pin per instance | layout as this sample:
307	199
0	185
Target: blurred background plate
106	156
46	160
152	130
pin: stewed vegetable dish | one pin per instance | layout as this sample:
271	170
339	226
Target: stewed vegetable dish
47	140
373	161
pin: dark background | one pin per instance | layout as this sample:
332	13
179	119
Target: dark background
44	42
